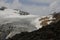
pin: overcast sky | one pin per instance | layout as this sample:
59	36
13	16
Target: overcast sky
40	7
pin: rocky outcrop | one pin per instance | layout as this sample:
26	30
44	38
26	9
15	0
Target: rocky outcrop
23	13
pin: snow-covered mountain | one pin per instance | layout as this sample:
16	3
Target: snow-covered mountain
11	12
19	23
10	18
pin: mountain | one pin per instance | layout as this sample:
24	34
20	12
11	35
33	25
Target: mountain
14	21
49	32
6	12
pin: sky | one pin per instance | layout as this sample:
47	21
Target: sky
36	7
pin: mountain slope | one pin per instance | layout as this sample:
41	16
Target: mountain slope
49	32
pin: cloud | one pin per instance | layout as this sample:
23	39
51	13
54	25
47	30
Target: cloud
55	6
43	1
14	5
31	2
2	3
33	9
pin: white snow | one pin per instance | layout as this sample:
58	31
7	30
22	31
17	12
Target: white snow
55	6
8	12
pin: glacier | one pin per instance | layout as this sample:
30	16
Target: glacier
20	23
12	23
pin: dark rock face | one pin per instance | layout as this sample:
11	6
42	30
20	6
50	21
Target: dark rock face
2	8
23	13
57	16
50	32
